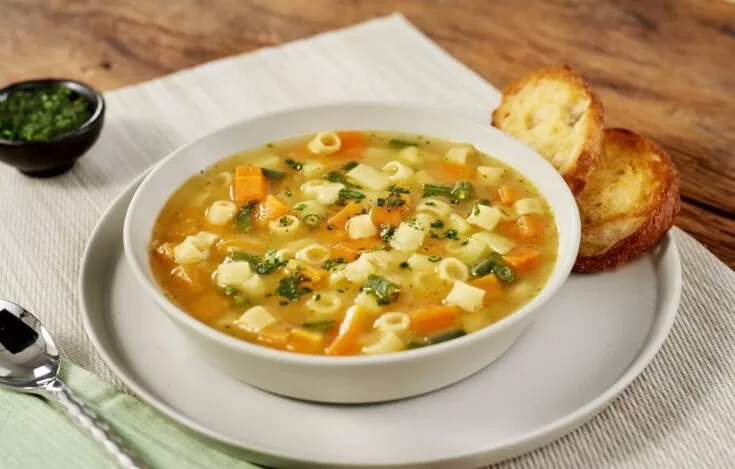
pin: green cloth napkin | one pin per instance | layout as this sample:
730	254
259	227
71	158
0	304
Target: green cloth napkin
36	435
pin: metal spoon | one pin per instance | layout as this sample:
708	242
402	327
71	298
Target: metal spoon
29	362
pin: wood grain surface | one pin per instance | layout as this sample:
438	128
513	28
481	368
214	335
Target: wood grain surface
664	68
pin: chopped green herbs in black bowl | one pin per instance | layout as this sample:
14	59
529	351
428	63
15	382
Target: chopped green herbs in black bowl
46	125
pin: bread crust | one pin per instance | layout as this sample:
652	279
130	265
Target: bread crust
658	218
575	178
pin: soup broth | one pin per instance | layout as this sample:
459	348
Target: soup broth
348	243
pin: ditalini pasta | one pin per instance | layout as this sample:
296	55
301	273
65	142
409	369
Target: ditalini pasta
351	242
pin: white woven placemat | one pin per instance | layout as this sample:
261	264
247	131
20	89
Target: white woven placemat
679	413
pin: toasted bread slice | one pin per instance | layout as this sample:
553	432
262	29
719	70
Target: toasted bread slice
554	112
629	203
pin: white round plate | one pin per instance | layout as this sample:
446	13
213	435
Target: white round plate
594	337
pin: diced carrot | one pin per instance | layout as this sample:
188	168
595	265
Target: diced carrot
303	341
447	171
522	259
189	278
249	184
432	247
276	338
164	253
509	228
332	237
339	220
354	324
271	209
353	142
507	195
208	305
491	284
384	216
434	318
529	227
345	252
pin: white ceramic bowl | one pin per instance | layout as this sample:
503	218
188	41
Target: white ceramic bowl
356	379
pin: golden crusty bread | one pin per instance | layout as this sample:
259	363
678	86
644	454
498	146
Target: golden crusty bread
629	203
554	112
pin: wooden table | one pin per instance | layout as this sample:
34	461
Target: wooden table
664	68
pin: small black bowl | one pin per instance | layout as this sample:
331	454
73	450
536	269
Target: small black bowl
56	155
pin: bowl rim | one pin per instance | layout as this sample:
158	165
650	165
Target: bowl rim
96	99
562	265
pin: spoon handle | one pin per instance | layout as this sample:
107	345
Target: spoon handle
97	429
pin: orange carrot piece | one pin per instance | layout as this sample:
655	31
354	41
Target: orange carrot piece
164	253
509	228
249	184
303	341
271	209
434	318
275	338
447	171
339	220
384	216
208	306
507	195
345	252
491	284
352	142
522	259
529	227
355	322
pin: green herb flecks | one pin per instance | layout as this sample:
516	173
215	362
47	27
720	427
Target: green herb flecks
40	114
293	164
290	287
399	143
384	290
243	219
331	264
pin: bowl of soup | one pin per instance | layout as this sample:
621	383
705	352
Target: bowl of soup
352	253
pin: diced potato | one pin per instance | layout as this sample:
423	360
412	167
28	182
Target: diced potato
256	319
233	274
484	217
465	296
205	240
489	175
254	286
410	155
368	177
458	154
407	238
361	226
189	252
311	170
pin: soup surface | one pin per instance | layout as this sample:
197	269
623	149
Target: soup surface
347	243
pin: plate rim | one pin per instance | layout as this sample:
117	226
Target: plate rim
541	436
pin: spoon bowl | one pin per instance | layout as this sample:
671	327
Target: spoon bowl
30	362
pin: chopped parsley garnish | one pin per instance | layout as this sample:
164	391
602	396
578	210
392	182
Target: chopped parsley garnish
283	221
243	220
299	207
349	165
345	195
384	290
331	264
265	266
476	210
239	300
319	325
404	265
437	224
289	193
335	176
387	234
229	291
451	234
37	114
293	164
398	189
394	200
290	287
433	235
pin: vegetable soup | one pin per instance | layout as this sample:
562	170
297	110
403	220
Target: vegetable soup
349	243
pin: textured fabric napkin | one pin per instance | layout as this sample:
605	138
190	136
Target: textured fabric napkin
678	413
